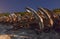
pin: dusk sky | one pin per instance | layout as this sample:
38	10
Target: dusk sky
19	5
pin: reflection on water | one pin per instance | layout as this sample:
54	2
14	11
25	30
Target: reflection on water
4	28
6	34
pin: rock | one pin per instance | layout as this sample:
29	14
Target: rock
5	37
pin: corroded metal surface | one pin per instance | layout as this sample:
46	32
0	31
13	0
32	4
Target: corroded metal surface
39	18
15	26
48	16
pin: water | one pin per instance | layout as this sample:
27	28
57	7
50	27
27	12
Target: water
43	35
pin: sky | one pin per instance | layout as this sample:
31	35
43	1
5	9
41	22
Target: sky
20	5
